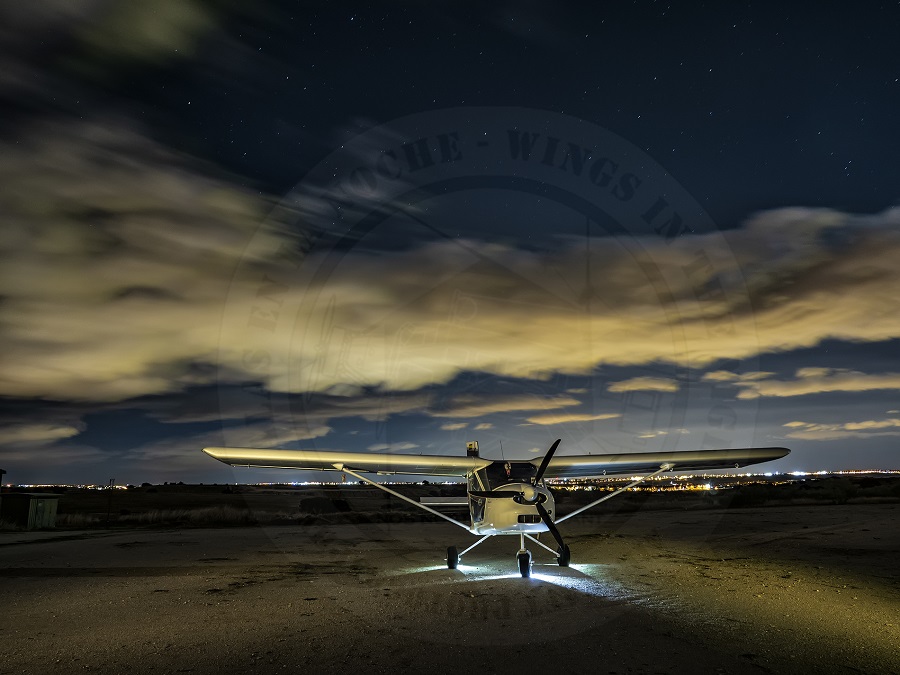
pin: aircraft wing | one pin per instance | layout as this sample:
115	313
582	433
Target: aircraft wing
584	466
364	462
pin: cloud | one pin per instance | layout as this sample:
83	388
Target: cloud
728	376
257	405
177	454
645	384
163	279
37	432
264	435
454	426
477	406
484	426
830	432
45	47
163	30
565	418
392	447
808	381
114	257
413	318
656	433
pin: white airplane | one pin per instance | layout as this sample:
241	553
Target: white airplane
505	496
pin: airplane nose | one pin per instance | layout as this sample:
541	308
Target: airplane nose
530	495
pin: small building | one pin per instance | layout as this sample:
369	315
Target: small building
29	510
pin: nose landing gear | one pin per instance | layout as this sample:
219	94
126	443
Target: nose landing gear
524	561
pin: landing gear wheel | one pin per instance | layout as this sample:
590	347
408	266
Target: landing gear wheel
563	555
524	560
452	557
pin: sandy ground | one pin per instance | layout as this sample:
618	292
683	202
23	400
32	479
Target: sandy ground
781	590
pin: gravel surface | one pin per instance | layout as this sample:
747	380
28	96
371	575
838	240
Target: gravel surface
780	590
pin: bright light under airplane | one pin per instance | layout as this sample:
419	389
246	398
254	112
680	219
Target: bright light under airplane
505	497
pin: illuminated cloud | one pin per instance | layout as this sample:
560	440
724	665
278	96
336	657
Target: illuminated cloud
565	418
144	250
807	381
461	305
392	447
830	432
161	31
92	41
477	406
175	455
182	453
454	426
484	426
261	436
656	433
37	432
114	256
728	376
645	384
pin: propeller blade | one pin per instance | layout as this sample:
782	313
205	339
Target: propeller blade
545	462
492	494
550	525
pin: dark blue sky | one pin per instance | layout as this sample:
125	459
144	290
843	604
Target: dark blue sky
317	225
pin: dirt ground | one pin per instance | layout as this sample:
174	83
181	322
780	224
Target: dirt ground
764	590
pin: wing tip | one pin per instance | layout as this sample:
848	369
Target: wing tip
216	453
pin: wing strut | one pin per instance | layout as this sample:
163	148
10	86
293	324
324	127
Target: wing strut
487	536
541	544
664	467
341	467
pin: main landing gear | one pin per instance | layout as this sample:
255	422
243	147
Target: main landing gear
524	560
563	555
452	557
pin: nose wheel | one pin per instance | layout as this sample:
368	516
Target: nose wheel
524	561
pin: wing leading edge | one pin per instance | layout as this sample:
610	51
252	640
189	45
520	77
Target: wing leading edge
584	466
561	466
365	462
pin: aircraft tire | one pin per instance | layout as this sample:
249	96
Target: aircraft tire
452	557
565	556
524	561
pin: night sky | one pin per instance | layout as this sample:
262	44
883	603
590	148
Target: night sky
404	226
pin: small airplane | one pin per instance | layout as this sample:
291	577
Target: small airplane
505	497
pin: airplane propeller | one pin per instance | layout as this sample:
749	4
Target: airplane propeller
550	525
545	463
548	521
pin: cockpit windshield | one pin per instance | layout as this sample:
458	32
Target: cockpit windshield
500	473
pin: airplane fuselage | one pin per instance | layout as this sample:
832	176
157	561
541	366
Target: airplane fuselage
511	515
